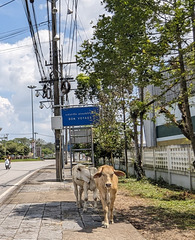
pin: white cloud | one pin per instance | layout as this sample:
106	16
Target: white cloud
6	111
18	69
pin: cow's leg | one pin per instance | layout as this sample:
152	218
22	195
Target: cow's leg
105	209
111	207
80	196
95	196
85	196
76	193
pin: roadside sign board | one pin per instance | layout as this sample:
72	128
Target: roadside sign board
79	116
81	135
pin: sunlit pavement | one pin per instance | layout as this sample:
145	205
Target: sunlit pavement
42	208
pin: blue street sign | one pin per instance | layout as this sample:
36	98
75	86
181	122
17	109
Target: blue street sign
79	116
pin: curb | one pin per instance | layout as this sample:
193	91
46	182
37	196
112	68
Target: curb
5	195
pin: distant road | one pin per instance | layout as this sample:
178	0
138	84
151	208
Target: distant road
19	170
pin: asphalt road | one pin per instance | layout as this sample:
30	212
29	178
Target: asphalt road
19	170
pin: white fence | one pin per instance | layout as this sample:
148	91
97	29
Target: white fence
172	163
176	158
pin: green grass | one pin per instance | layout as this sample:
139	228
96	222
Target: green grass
167	202
23	160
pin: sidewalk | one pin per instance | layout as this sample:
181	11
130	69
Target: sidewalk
43	209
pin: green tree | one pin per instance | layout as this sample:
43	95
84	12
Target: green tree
118	56
26	150
179	52
144	43
2	151
46	151
23	141
11	148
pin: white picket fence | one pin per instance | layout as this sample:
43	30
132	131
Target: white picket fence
172	163
177	158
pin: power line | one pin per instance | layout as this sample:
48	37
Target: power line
13	33
25	134
21	134
6	3
49	32
36	26
45	135
36	44
17	48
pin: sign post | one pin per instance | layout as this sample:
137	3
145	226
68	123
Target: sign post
80	116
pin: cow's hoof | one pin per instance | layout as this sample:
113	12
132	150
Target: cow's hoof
105	225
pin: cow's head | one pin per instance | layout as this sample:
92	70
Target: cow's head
106	173
85	174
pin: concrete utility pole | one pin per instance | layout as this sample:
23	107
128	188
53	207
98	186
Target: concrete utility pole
33	130
56	92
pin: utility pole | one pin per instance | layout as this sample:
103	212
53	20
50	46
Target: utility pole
31	87
56	92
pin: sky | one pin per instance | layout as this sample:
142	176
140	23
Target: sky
18	66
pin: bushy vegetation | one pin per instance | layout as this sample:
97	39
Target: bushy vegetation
164	200
21	147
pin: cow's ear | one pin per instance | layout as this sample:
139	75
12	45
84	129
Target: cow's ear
97	175
119	173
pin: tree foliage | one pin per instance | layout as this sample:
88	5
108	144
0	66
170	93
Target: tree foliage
140	43
21	147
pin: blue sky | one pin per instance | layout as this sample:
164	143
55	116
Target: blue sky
18	66
13	18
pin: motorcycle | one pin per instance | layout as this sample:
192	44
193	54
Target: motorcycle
7	164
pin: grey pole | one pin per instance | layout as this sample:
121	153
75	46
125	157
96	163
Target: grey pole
56	92
33	131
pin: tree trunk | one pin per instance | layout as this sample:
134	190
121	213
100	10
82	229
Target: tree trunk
112	159
141	124
125	138
138	163
183	104
104	160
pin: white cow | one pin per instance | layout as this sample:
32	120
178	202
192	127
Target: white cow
82	177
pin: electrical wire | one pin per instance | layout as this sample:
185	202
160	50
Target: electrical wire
49	32
73	34
26	134
37	30
7	35
14	33
83	29
34	40
6	3
59	25
65	25
12	49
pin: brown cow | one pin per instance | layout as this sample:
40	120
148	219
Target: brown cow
106	181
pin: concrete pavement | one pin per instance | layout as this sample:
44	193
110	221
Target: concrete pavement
43	209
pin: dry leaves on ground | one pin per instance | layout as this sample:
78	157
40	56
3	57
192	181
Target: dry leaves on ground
146	219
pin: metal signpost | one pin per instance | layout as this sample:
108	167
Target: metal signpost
80	116
79	121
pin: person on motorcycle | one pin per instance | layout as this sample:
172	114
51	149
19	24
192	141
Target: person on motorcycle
8	161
